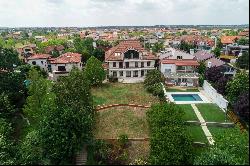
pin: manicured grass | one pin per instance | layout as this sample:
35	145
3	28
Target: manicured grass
211	112
219	131
121	120
197	133
189	112
118	93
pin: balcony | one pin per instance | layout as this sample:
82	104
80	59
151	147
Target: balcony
181	75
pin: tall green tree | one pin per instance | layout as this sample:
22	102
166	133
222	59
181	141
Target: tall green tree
243	61
239	84
8	57
94	71
68	123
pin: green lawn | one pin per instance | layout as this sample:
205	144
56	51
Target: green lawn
219	131
197	133
211	112
118	93
121	120
189	112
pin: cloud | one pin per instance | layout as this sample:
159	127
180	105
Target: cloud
122	12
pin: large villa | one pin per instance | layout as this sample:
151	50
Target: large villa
129	61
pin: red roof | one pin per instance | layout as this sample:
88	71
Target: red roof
180	62
39	56
68	57
229	39
123	47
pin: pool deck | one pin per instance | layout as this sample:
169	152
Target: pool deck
202	96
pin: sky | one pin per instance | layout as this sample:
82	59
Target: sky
85	13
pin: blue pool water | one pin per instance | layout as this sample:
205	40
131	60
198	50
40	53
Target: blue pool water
186	97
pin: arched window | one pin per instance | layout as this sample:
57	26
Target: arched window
33	62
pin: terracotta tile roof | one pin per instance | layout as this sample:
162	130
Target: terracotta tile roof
51	48
229	39
180	62
125	45
196	39
68	57
202	55
39	56
215	62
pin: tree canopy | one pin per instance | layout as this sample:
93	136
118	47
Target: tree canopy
94	71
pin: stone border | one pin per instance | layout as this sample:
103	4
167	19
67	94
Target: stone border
101	107
216	124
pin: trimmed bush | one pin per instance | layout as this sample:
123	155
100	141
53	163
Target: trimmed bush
169	139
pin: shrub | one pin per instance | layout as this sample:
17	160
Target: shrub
123	140
153	77
169	140
113	79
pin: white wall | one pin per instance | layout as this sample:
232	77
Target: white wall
163	67
68	66
215	96
39	63
131	63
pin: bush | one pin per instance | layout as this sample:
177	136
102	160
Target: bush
113	79
153	77
169	140
123	140
201	80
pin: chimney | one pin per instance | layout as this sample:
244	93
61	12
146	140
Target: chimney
209	64
191	51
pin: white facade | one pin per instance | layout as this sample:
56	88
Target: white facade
42	63
135	69
68	66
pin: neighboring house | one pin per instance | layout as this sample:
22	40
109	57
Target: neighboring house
226	40
40	60
179	68
244	33
52	49
211	61
26	51
202	42
129	61
202	55
41	38
62	65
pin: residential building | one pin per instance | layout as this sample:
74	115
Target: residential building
129	61
40	60
26	51
62	65
179	68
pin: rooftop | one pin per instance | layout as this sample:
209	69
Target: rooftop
39	56
68	57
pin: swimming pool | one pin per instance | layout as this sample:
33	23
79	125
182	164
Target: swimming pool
186	97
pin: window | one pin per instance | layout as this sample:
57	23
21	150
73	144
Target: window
121	73
167	70
180	68
127	64
120	65
114	74
148	63
135	74
179	57
142	73
61	68
33	62
136	64
114	64
142	64
128	73
41	62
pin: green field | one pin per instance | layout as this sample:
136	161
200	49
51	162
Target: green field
118	93
211	112
197	133
189	112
